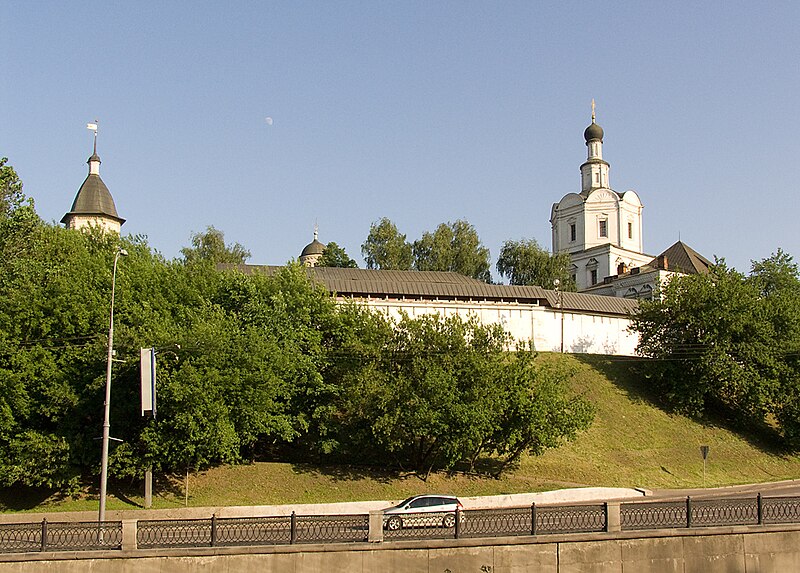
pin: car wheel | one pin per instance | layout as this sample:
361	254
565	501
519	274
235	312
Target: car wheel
449	520
394	523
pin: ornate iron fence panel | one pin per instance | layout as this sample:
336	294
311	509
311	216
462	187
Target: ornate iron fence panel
58	536
20	537
653	515
781	509
725	511
419	526
252	531
571	519
332	528
496	522
173	533
83	536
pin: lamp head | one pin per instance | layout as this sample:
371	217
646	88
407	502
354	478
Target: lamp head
123	252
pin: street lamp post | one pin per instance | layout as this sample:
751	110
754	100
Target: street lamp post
557	285
107	416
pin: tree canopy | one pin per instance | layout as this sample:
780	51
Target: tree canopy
251	366
453	247
728	343
10	188
524	262
210	247
336	256
386	248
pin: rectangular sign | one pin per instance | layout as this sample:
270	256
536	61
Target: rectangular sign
147	361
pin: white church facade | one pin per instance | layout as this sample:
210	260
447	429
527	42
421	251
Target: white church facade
602	231
600	228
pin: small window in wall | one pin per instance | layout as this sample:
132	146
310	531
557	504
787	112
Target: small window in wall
630	230
597	178
593	275
603	230
573	233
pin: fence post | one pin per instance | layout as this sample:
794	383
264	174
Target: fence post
375	526
688	511
613	516
213	529
129	529
44	534
293	534
533	518
457	528
760	505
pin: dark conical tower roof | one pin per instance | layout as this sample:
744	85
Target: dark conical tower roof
93	198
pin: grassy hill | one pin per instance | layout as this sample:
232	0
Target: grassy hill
632	443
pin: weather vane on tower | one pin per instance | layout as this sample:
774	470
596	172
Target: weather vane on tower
93	127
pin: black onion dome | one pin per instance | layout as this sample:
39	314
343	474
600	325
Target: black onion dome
313	248
594	131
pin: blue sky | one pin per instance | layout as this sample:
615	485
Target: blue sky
423	112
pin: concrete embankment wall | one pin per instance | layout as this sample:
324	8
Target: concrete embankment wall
763	549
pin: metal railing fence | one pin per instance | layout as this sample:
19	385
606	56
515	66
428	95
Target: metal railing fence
473	523
60	536
238	531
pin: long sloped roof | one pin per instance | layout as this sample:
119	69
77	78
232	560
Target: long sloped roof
446	285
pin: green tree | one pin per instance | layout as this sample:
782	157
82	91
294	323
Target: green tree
210	247
336	256
777	281
524	262
434	392
10	188
453	247
723	342
386	248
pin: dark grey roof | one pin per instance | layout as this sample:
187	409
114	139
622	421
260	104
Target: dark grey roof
593	303
93	198
363	283
682	258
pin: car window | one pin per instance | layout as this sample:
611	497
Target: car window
404	502
422	502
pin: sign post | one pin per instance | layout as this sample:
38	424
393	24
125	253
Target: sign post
704	453
147	360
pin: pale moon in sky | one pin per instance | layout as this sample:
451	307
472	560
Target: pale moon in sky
268	120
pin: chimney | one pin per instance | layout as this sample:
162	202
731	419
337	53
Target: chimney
662	262
622	268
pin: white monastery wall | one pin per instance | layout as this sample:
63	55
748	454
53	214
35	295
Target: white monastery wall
583	333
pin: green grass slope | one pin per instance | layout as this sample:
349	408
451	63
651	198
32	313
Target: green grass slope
632	443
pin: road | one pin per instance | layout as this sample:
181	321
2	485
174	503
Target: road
773	489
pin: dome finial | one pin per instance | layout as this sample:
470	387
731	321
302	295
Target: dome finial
316	231
594	131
